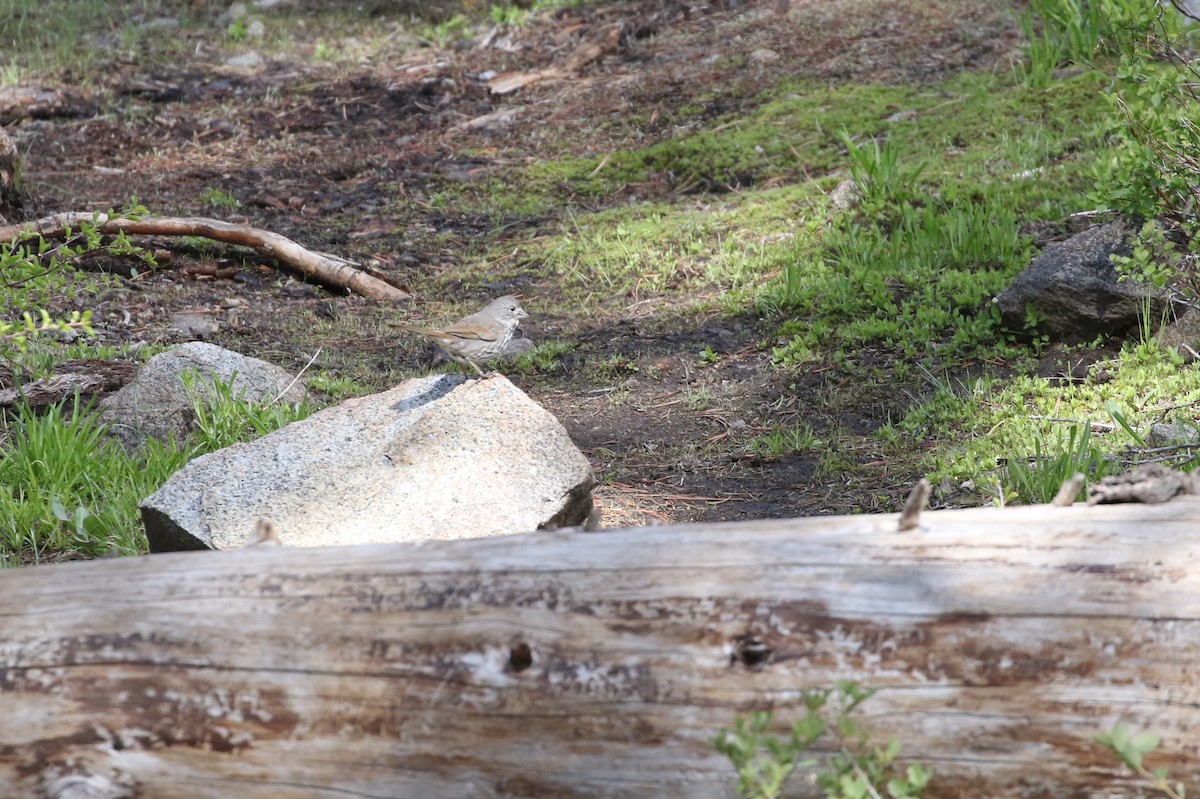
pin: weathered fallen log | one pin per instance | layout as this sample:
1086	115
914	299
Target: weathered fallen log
86	378
603	664
327	269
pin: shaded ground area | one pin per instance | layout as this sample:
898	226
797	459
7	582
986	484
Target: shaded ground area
371	162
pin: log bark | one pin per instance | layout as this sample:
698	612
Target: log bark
11	199
86	378
44	102
603	664
327	269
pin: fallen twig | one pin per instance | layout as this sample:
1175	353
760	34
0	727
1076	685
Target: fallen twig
330	270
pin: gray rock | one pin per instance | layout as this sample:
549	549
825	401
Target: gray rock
1072	289
1173	434
1183	336
245	61
434	458
846	195
235	11
194	324
156	404
1192	7
160	23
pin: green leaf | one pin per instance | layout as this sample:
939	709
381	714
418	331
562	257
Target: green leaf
59	510
1144	742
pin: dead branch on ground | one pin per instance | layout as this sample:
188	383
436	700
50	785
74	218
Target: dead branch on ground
330	270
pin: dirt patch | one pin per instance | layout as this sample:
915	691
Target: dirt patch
667	399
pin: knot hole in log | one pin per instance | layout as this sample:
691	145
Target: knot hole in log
751	650
520	657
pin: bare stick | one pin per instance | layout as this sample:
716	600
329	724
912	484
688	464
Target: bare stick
329	270
911	515
1065	497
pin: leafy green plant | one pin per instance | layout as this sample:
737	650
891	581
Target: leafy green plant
1130	748
446	33
1150	259
238	29
220	199
37	273
18	333
35	270
617	367
509	16
1151	172
857	769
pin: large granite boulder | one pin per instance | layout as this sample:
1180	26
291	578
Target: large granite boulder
434	458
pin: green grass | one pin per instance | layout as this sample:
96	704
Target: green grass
785	440
999	422
65	487
223	417
981	152
57	35
544	358
338	386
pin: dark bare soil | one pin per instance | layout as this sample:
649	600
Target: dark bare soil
346	162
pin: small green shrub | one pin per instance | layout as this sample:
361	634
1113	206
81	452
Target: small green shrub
34	268
445	34
857	769
543	358
37	273
1152	172
1130	747
220	199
